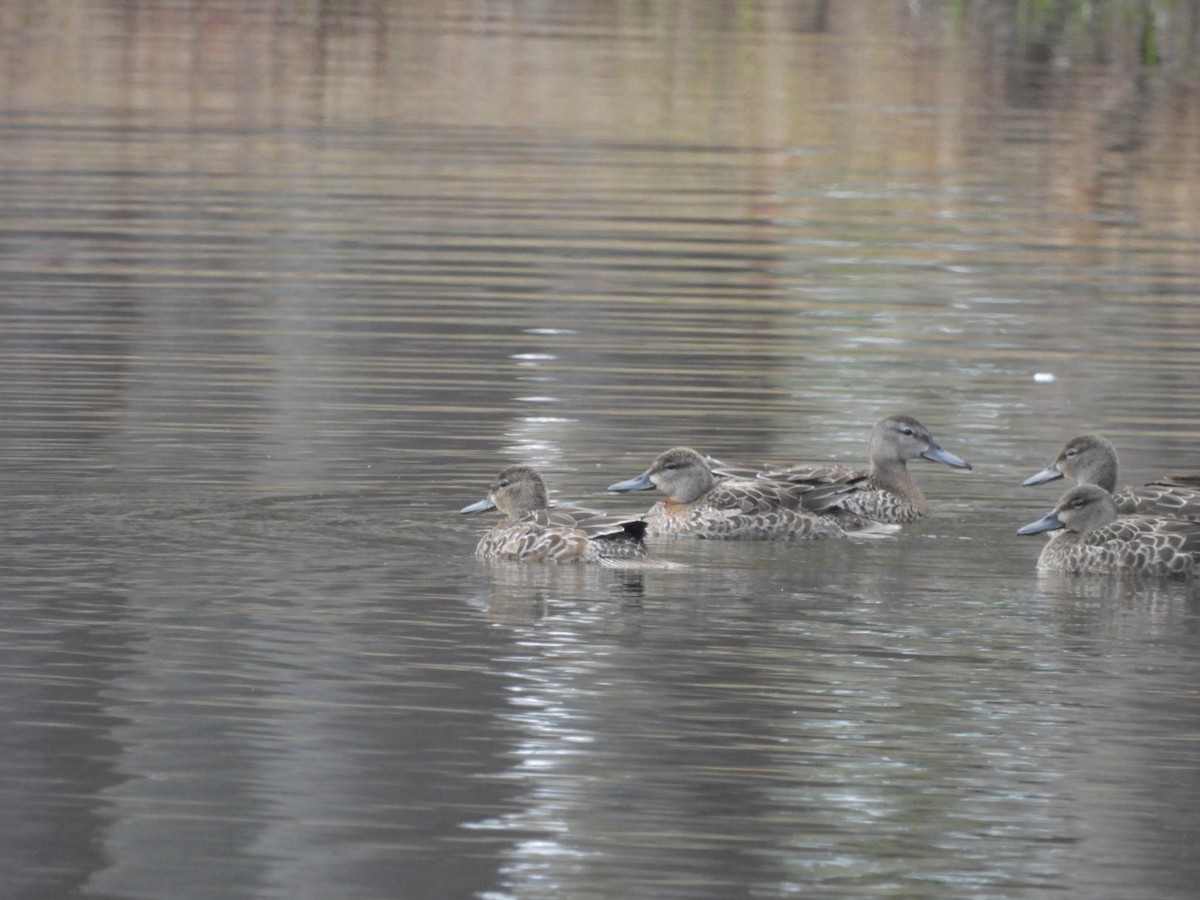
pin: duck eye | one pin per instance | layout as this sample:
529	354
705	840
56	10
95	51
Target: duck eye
907	431
1071	453
503	482
671	465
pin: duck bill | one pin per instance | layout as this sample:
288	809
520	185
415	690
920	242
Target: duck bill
936	454
1048	522
482	506
1050	473
641	483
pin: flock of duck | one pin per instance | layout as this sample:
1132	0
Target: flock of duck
1154	529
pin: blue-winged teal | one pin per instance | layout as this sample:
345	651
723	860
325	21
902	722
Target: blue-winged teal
887	493
706	504
1089	459
1094	538
534	531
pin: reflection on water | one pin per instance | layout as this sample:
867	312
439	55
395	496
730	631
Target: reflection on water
283	288
873	734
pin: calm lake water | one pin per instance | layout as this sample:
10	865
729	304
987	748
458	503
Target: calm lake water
283	285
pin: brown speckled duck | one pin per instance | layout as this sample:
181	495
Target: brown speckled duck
534	531
1090	459
1094	538
887	493
700	502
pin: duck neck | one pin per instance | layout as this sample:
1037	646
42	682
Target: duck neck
893	476
1103	475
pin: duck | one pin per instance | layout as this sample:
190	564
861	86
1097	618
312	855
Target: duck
534	531
1094	537
701	501
1091	459
886	493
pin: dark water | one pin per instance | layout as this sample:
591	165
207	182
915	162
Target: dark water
281	287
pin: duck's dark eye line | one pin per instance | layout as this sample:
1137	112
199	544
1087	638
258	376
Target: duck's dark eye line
907	431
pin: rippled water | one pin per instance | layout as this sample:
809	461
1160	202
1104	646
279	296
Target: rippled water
280	290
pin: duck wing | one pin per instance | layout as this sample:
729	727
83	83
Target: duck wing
596	524
1160	543
1166	498
1184	481
752	496
817	474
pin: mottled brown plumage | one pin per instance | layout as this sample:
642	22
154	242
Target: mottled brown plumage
1093	537
1090	459
706	504
534	531
887	493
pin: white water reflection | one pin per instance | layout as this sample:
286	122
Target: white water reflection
855	744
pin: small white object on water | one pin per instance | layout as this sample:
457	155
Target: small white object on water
1044	377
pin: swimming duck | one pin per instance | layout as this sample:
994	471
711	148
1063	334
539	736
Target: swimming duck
534	531
700	502
887	493
1095	538
1090	459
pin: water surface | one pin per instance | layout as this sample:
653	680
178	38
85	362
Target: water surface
281	289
